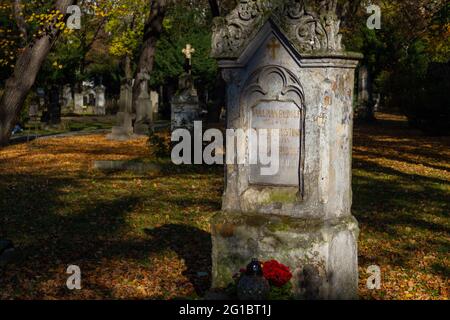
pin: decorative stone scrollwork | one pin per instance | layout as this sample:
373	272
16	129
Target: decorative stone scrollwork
274	83
230	33
311	26
295	10
249	10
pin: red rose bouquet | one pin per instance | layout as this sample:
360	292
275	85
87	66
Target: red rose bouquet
276	273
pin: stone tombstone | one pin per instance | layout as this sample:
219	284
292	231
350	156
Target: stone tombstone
285	69
100	101
67	99
78	103
185	104
33	112
123	131
144	113
154	97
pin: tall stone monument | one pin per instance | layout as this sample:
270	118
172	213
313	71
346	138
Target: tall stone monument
100	101
185	104
285	69
154	98
123	131
78	102
144	113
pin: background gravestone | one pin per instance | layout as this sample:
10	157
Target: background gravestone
144	113
154	97
285	69
78	103
123	131
185	109
100	101
67	100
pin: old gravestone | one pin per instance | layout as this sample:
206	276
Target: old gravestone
185	105
185	109
144	113
154	98
35	114
100	101
78	103
67	100
123	131
285	69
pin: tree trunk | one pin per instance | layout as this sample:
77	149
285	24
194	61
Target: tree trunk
152	31
24	75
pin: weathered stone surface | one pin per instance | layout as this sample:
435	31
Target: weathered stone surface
321	254
310	26
100	101
154	97
78	103
67	100
185	105
124	131
285	69
144	113
322	90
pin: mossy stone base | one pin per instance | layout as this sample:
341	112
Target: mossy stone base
322	255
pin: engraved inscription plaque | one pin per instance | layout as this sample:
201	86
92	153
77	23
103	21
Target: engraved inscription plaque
287	117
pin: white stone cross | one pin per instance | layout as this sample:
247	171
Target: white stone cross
188	51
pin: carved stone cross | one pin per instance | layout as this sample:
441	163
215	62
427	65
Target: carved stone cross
188	51
273	46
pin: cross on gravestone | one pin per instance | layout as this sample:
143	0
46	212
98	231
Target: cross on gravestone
273	46
188	51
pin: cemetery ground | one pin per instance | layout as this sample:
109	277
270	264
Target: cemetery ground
146	235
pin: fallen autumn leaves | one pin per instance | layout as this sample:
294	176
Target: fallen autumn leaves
146	236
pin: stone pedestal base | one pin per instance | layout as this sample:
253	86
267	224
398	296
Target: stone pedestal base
184	113
124	130
322	255
121	134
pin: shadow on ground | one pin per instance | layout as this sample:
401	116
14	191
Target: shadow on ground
192	245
